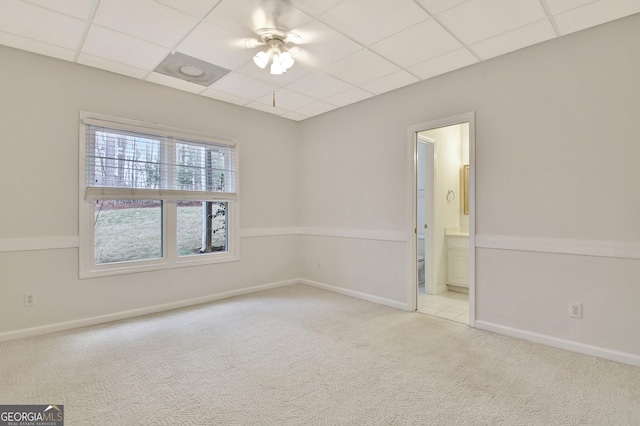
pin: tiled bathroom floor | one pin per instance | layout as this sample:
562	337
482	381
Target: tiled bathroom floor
449	305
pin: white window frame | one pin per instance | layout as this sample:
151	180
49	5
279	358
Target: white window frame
170	258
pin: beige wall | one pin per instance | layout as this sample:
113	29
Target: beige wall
556	159
40	104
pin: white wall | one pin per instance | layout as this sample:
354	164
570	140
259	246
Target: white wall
556	161
41	99
556	157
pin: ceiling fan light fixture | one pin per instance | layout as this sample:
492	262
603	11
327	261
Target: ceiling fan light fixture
286	60
276	67
261	59
281	58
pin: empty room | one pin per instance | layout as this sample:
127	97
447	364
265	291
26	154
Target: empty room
232	212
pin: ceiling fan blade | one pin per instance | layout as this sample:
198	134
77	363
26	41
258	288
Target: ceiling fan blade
252	43
302	56
293	38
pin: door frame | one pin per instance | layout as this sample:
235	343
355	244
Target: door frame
412	157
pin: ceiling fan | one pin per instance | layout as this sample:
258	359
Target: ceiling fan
275	37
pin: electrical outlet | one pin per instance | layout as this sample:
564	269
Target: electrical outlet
575	309
29	299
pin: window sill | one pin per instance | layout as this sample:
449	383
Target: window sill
156	265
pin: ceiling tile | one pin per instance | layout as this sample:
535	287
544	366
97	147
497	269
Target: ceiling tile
351	49
112	45
369	21
30	21
558	6
322	46
216	46
294	73
116	67
314	8
595	13
390	82
36	46
443	64
145	19
477	20
195	8
175	83
286	100
316	108
319	85
225	97
243	86
513	40
243	18
361	67
77	8
348	97
266	108
438	6
416	44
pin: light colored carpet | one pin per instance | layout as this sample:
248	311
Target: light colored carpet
297	356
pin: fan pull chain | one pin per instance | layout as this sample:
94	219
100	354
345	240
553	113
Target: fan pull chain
274	99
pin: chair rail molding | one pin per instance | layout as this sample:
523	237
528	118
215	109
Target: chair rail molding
68	242
38	243
616	249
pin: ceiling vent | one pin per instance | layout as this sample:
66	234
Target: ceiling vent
191	69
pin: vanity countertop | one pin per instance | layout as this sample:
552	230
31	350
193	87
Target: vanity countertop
456	232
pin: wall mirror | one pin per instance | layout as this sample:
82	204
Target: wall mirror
464	188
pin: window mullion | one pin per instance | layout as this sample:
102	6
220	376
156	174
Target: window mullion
169	228
170	210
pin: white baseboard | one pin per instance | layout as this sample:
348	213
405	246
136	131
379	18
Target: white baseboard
569	345
352	293
68	325
85	322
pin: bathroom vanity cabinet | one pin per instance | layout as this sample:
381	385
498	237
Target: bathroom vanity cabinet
458	262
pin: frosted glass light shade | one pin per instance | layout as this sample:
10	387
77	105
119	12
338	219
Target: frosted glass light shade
276	68
261	59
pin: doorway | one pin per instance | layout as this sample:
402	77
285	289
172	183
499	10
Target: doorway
442	208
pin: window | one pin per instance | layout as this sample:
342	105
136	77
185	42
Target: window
153	197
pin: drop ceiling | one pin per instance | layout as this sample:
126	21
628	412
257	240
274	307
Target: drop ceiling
351	50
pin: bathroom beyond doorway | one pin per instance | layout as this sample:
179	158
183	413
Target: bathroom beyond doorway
443	214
